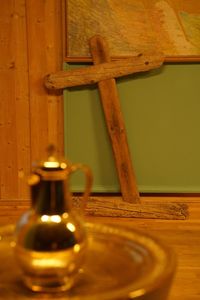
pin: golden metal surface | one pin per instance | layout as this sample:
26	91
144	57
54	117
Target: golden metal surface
50	240
50	249
120	264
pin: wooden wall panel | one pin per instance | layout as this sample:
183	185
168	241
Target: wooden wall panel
44	28
14	110
30	117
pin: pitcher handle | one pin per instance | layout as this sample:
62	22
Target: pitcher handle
88	182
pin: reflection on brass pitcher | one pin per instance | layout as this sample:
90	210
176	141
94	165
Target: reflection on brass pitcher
51	241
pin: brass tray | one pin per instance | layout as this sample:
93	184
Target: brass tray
120	264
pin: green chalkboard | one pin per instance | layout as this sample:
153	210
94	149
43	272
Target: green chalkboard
162	116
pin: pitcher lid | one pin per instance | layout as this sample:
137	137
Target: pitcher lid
52	168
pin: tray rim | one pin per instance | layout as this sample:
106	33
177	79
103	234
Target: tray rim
123	291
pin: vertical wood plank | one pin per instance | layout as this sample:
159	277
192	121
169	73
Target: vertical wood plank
44	27
14	109
30	117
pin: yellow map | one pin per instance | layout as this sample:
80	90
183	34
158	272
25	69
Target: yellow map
134	26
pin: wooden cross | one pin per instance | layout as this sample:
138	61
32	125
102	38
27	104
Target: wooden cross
103	72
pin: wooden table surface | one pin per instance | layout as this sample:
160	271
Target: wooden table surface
182	235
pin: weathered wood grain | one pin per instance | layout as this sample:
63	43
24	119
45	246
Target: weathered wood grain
116	207
103	71
115	124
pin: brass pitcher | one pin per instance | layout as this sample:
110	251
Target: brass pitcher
51	241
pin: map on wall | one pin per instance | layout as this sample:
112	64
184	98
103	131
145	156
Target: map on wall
134	26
